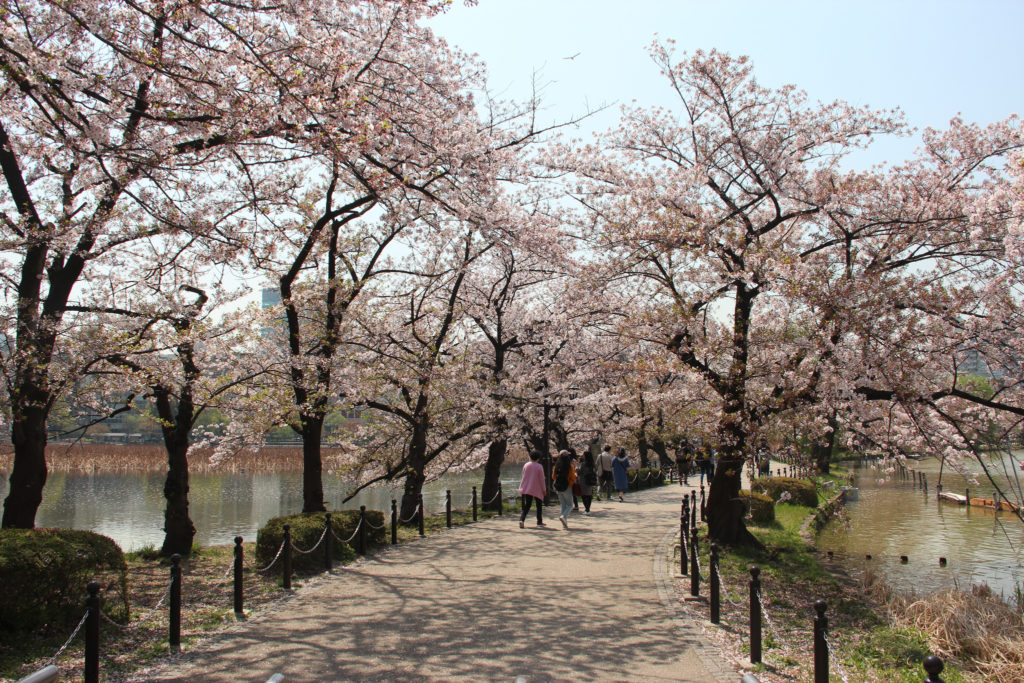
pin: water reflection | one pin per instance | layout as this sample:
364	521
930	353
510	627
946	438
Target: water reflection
129	507
895	517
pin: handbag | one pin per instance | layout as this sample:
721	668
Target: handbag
576	490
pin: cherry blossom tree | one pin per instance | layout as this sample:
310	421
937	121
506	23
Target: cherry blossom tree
706	212
401	141
113	116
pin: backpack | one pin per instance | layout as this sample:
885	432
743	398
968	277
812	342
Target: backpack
590	476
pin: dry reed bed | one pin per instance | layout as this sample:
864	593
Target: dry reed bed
976	626
153	458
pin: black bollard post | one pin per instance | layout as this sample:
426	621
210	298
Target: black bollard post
755	615
239	611
328	544
92	633
362	529
694	568
286	559
933	667
693	508
394	522
448	508
474	503
820	643
174	635
703	504
715	587
422	533
684	530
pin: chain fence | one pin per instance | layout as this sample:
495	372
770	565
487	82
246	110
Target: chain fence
833	659
70	638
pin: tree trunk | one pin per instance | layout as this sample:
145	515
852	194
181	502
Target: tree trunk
416	462
725	509
312	467
658	444
28	475
178	528
643	447
496	452
821	452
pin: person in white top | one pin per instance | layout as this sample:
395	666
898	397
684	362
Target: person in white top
604	472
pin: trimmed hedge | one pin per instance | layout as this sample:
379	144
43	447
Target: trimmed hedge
306	529
44	574
760	506
646	477
802	491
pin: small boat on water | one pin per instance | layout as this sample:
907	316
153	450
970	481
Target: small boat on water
988	503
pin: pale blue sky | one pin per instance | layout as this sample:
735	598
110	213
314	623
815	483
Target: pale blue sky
931	59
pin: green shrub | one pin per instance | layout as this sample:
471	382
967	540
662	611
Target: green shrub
801	491
44	574
761	507
306	529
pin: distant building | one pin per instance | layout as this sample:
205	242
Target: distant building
271	297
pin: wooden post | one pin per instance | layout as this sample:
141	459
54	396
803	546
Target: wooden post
174	635
92	633
755	615
239	612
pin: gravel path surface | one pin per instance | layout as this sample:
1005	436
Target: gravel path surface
484	602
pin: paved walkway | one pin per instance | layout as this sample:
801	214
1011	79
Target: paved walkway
485	602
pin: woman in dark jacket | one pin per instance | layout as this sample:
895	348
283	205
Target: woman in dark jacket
587	479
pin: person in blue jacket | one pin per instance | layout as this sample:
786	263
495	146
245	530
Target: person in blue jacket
620	472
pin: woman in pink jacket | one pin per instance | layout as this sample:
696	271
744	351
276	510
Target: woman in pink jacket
532	487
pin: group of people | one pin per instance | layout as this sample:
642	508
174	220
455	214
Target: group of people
574	479
695	460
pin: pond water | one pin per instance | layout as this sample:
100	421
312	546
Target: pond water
893	517
129	507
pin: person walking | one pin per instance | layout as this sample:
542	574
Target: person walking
620	472
604	472
532	488
586	477
563	475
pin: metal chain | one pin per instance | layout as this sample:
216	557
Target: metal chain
767	617
223	578
273	561
493	498
70	638
371	525
834	659
702	577
144	617
350	537
724	590
414	513
315	545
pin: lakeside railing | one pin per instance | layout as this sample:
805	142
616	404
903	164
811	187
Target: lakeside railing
689	555
824	655
89	624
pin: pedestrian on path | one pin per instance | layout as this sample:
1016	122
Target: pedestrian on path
604	472
564	475
620	472
586	477
532	488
